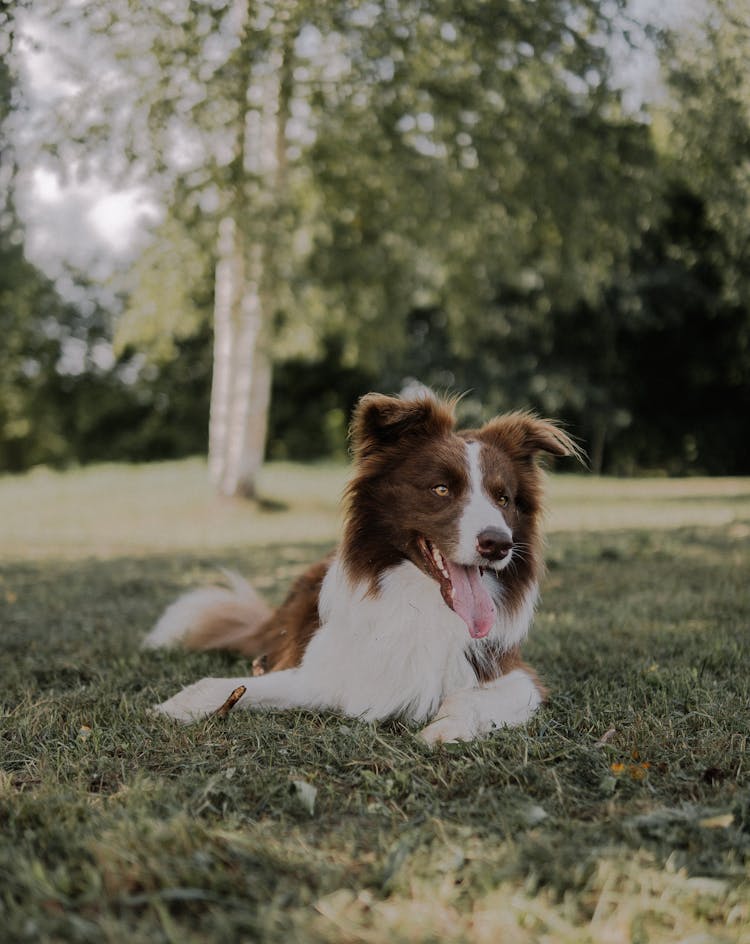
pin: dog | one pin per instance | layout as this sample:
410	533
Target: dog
421	611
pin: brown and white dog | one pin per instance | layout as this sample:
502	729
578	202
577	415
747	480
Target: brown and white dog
421	611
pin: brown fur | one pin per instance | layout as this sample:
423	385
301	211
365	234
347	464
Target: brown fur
397	444
402	448
234	625
286	634
275	639
512	445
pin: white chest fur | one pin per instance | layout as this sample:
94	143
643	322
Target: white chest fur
402	652
398	653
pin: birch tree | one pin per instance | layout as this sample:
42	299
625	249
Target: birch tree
191	98
428	164
245	269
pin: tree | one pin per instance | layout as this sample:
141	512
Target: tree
706	136
689	342
655	374
28	309
202	96
353	163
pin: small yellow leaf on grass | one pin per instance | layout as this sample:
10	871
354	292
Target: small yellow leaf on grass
10	597
722	821
84	732
636	771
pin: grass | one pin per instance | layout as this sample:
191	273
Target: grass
621	814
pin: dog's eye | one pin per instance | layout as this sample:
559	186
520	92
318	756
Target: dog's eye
502	500
441	490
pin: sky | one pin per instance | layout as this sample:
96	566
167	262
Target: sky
87	224
81	221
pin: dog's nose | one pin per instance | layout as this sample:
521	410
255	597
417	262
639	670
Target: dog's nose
494	544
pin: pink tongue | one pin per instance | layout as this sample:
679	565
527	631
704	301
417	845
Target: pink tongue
471	600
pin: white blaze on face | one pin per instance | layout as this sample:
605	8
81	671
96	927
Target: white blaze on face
479	513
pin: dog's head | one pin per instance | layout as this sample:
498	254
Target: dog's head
462	506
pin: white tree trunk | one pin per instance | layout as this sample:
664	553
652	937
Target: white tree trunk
250	392
256	423
241	387
225	290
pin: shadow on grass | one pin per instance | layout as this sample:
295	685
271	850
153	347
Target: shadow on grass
633	777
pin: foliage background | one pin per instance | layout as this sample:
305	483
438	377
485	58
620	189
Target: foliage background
470	201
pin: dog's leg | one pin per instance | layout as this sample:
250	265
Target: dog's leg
285	689
470	713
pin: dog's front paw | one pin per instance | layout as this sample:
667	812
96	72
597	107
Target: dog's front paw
457	720
447	730
200	699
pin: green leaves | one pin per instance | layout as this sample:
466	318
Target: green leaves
453	193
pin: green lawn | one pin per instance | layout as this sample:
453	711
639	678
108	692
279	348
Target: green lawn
622	814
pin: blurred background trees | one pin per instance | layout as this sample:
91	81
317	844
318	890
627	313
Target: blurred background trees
345	196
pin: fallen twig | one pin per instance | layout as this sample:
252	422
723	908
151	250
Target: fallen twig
230	702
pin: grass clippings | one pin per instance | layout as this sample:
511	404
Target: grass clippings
620	814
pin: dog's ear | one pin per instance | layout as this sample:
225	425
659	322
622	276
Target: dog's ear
380	421
525	435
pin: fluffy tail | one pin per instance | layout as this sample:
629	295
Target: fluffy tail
230	617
